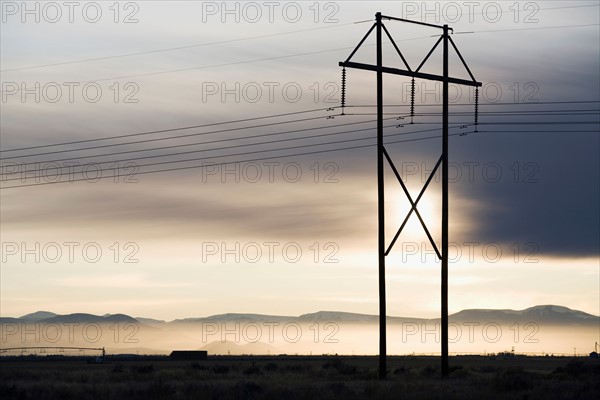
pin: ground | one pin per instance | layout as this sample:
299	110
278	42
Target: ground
297	377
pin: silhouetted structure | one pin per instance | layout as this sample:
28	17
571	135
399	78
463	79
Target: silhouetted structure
382	155
189	355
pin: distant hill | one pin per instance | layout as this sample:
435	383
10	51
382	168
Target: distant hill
38	315
545	314
335	316
232	317
10	320
81	318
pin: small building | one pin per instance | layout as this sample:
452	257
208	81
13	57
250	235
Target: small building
189	355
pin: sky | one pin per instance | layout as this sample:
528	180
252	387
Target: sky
271	202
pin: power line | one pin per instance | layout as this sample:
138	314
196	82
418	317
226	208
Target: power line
276	116
272	150
171	71
168	138
174	48
237	146
530	103
539	9
260	37
229	162
544	131
206	142
285	56
241	145
498	114
275	124
286	155
248	127
463	125
168	130
238	139
520	113
543	123
529	29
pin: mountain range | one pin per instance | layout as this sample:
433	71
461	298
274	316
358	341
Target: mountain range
542	314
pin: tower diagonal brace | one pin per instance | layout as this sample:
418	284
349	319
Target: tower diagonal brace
360	43
413	205
396	47
430	53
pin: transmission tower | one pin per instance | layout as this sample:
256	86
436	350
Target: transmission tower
446	40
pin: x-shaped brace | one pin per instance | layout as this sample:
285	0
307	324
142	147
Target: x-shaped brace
413	203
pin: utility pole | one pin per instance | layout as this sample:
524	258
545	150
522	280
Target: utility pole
444	290
382	153
381	204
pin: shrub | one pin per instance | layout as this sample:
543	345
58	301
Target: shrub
514	379
252	370
142	369
270	367
220	369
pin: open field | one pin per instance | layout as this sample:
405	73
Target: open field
298	377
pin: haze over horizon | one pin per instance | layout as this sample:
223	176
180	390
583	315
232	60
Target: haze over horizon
538	330
278	232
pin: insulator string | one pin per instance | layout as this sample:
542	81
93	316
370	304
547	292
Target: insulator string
476	108
343	89
412	101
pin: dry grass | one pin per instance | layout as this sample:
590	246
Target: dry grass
291	378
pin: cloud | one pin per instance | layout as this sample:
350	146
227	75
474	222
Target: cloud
548	193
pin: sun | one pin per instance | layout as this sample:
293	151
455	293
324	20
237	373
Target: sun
429	209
